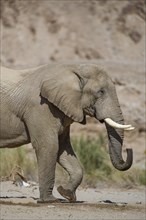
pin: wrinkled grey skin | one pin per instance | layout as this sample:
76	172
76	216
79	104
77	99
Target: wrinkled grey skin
39	105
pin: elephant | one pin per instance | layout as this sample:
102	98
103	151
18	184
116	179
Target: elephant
38	106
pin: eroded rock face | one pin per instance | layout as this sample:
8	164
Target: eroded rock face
112	33
59	30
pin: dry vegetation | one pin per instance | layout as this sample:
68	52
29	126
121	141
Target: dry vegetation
92	155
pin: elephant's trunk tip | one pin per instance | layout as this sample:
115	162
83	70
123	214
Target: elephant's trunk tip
123	166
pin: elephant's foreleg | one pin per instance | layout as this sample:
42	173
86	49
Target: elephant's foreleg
68	160
46	158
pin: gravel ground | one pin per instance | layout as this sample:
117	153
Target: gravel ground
108	203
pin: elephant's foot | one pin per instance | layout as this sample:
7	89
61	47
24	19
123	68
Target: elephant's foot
67	193
50	199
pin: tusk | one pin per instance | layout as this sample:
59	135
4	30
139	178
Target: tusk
129	129
116	125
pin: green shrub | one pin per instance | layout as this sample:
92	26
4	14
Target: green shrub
97	165
92	154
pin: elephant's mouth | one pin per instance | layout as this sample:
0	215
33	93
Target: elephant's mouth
101	121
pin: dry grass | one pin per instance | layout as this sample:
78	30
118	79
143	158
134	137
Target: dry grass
22	157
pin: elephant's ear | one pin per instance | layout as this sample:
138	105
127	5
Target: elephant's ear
63	89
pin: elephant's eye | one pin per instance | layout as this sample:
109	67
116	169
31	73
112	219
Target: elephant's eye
100	93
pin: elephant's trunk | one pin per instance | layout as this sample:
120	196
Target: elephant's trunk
115	149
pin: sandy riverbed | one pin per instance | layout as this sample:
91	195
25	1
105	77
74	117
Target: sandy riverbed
18	202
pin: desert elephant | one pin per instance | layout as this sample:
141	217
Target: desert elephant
39	105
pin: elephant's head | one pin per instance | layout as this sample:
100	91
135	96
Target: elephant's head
80	90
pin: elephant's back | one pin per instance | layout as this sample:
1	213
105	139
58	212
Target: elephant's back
10	76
